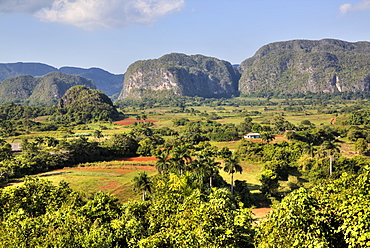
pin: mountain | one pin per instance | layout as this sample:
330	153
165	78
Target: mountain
80	104
109	83
180	74
301	66
45	90
9	70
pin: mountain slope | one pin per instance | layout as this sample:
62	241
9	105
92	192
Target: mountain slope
180	74
301	66
109	83
17	89
9	70
45	90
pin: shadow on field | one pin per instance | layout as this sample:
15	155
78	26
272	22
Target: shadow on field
54	173
252	186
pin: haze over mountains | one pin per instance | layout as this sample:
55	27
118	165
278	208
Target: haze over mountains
105	81
289	67
43	90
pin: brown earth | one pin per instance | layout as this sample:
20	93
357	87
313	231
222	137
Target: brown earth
138	159
129	121
120	171
259	213
110	185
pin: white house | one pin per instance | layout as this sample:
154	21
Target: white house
252	136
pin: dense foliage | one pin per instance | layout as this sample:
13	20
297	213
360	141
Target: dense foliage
330	215
81	104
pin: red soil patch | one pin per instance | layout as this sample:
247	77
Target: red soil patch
129	121
138	159
120	171
259	213
110	185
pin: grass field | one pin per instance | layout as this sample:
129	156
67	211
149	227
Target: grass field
89	180
115	177
251	172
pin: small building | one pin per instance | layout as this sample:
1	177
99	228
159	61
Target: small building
252	136
16	147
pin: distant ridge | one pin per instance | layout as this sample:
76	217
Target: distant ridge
43	90
110	84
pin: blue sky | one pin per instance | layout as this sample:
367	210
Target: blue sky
112	34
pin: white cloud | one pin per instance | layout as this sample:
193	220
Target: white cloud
361	6
95	14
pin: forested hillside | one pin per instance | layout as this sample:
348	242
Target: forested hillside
45	90
110	84
302	66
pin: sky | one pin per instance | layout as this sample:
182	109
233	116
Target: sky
112	34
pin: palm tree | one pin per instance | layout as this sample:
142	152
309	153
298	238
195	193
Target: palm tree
98	134
232	166
267	136
330	148
180	160
204	167
142	182
162	164
39	140
51	141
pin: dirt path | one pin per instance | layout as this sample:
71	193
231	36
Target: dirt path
260	213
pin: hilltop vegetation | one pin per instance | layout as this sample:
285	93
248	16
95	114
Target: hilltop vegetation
44	91
301	66
81	104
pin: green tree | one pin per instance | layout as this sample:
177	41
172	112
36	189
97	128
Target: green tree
330	148
142	182
269	181
205	167
98	134
267	137
5	150
361	146
180	158
162	164
231	166
329	215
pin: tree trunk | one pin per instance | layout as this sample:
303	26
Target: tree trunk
331	165
232	183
